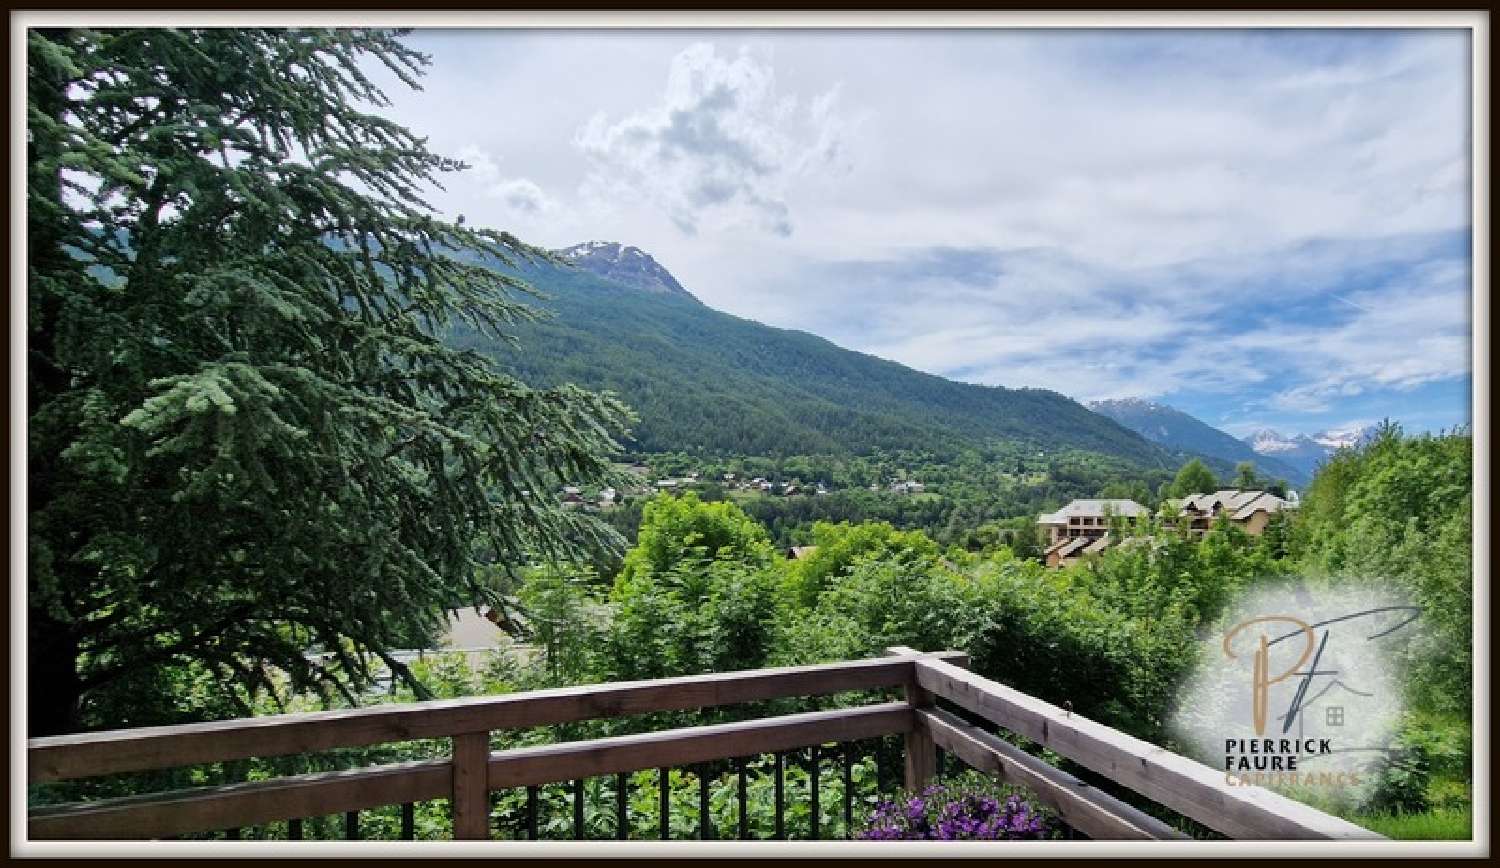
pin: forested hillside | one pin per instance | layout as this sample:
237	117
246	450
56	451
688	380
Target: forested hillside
706	382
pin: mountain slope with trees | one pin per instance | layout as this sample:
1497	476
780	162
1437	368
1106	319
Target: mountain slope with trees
703	381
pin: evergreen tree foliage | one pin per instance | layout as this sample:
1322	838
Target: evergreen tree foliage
247	436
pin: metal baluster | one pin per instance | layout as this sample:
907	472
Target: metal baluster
664	776
578	809
705	822
780	796
744	792
351	826
532	794
622	806
812	786
942	763
849	790
408	822
294	830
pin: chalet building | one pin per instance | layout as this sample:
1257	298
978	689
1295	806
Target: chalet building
1250	511
1086	519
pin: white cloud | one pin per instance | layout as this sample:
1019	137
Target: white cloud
520	195
721	143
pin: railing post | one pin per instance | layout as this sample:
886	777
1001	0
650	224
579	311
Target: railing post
471	786
921	751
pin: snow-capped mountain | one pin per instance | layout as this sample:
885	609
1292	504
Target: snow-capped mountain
1181	432
1337	439
631	266
1268	442
1306	451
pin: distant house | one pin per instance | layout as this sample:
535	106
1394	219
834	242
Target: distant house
1251	511
1086	519
666	484
797	553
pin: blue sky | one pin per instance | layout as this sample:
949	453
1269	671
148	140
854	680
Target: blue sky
1262	228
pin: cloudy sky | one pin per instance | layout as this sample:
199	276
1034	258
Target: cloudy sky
1261	228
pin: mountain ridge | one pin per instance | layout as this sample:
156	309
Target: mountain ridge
706	381
1172	428
1306	451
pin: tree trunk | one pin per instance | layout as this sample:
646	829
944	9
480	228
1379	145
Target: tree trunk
53	688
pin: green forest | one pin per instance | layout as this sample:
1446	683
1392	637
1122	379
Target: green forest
273	440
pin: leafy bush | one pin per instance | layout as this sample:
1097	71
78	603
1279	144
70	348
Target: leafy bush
1401	783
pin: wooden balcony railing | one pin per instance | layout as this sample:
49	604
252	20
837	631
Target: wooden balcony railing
473	771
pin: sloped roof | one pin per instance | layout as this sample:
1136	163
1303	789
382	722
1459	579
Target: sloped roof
1069	547
1094	508
1266	501
1239	504
1099	545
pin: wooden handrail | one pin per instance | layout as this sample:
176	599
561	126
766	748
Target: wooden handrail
203	809
248	804
1083	807
473	771
694	744
160	747
1188	787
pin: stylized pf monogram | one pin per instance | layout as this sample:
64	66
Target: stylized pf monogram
1261	679
1312	647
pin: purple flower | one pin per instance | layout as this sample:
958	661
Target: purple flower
952	813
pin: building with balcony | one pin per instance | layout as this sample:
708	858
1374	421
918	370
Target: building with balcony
1087	519
1250	511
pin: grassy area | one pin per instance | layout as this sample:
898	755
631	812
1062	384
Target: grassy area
1439	824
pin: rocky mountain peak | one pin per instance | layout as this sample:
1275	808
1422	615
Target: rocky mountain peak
624	264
